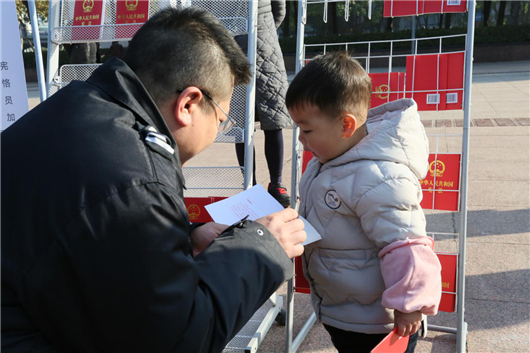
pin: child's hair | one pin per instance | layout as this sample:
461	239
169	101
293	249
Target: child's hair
334	83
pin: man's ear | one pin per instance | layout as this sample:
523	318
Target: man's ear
349	125
188	103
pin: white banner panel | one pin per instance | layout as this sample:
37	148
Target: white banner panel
13	91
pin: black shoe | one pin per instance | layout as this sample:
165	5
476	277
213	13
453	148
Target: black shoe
279	192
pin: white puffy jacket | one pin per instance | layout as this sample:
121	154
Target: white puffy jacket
361	202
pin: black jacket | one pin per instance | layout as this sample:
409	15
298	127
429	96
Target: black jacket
95	234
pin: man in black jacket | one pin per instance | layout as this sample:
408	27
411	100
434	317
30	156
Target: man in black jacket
97	250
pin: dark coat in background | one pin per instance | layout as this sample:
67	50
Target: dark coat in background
96	255
271	76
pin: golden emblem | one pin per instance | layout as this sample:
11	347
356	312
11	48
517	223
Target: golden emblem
382	91
131	5
88	5
193	212
439	169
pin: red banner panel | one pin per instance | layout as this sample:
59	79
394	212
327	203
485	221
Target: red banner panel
452	69
387	87
445	6
130	12
436	81
399	8
87	13
301	285
196	211
441	186
449	264
306	157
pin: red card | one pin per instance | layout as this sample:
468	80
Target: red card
387	87
442	184
87	13
392	343
436	81
134	12
196	211
449	263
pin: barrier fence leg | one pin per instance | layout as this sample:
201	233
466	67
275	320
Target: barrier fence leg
461	325
289	316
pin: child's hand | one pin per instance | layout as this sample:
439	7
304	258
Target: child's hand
407	323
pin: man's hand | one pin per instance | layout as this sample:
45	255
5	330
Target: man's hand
287	229
407	323
202	236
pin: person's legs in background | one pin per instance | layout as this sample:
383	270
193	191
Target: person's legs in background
240	152
274	156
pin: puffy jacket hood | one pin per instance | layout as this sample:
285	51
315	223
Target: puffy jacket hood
395	134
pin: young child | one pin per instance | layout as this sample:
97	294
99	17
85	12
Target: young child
374	268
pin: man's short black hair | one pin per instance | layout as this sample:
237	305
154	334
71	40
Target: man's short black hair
334	83
179	48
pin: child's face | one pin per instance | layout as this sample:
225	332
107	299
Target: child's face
318	133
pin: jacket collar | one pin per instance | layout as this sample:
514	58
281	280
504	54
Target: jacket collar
117	80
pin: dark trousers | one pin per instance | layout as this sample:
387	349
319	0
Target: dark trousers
354	342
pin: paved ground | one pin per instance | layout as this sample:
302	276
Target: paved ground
498	264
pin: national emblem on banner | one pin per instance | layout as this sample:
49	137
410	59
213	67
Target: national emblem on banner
387	87
87	13
195	206
132	12
441	187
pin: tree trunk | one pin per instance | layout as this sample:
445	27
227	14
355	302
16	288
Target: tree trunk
425	21
333	18
486	13
286	20
295	7
386	24
515	8
448	20
502	10
30	39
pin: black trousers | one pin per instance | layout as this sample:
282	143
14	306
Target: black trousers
354	342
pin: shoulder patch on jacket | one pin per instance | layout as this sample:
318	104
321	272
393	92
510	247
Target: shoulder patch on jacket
332	199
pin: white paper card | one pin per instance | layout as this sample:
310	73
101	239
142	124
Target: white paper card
312	234
255	203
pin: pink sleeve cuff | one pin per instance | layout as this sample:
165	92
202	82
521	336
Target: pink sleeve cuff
398	244
412	274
